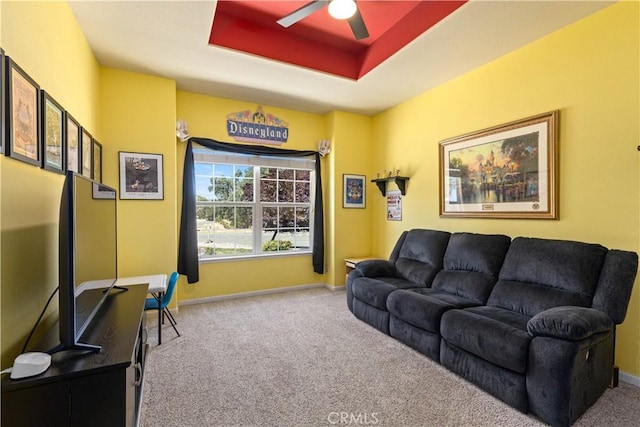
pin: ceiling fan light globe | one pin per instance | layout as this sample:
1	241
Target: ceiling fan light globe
342	9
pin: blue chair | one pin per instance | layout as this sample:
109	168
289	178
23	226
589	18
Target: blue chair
160	303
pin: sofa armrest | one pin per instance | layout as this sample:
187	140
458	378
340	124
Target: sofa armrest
569	323
375	268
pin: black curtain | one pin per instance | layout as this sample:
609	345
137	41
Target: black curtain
188	249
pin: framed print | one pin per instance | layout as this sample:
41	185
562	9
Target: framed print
23	115
97	161
86	145
394	205
52	134
507	171
2	101
141	176
72	143
353	191
103	192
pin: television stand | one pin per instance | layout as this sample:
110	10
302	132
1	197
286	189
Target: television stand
88	389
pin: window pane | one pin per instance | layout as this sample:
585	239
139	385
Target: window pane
223	170
244	171
303	175
268	190
286	218
285	174
269	218
201	168
244	218
285	191
224	189
303	192
204	189
224	217
270	173
244	190
302	218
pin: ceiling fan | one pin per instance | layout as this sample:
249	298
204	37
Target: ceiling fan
339	9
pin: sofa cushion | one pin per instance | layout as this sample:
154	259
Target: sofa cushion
424	307
374	291
538	274
421	255
471	265
496	335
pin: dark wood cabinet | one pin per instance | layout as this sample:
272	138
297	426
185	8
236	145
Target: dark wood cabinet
88	389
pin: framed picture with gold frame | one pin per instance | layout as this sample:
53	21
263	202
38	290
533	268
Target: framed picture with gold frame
97	161
506	171
23	115
86	148
72	143
53	149
3	128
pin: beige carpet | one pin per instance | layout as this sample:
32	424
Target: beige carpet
302	359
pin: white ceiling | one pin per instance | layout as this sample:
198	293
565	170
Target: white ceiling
170	39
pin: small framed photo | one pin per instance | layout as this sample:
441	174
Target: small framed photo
23	115
353	191
53	121
141	176
97	161
72	143
394	205
86	144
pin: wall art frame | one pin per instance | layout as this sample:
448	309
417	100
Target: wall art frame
141	176
53	122
96	153
354	191
506	171
22	115
72	143
86	149
3	128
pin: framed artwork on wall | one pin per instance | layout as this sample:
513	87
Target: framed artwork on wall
72	143
23	115
507	171
141	176
53	149
86	145
394	205
3	128
97	161
353	191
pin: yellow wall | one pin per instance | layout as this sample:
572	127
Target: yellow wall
348	232
139	115
45	40
589	71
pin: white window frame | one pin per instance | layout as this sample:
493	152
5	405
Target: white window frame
206	155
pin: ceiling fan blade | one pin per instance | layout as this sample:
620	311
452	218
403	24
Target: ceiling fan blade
357	26
302	12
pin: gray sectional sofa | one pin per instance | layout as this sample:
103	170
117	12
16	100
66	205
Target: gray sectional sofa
531	321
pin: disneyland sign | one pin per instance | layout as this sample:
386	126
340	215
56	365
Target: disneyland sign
258	126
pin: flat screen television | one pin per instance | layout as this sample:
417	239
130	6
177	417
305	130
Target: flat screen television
88	266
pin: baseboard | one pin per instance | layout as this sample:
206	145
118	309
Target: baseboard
630	379
257	293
